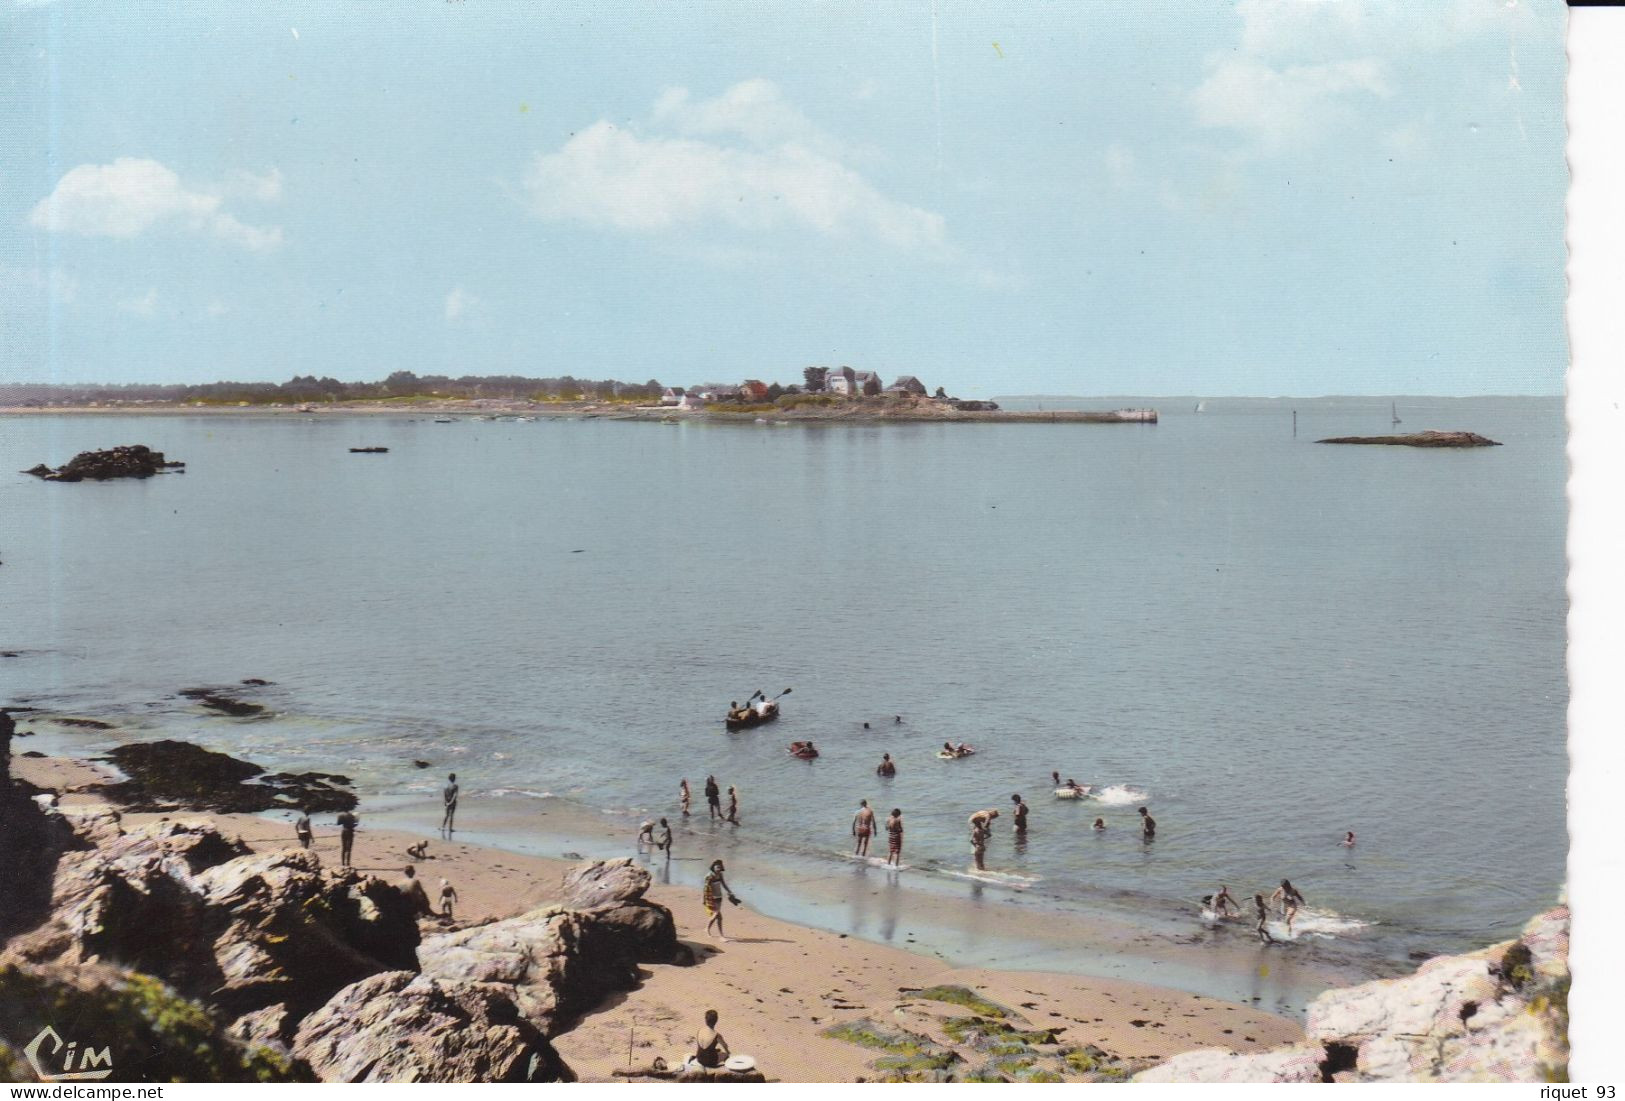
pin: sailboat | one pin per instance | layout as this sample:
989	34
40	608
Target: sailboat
1394	412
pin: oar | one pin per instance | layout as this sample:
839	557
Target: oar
786	692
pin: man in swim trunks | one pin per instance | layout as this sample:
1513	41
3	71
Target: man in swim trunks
710	1049
302	830
711	894
863	827
887	766
981	824
448	795
713	796
1020	813
1148	825
1223	903
894	837
347	823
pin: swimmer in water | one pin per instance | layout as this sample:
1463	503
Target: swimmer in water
948	748
1290	900
1100	823
1348	840
887	766
1223	903
1263	917
1074	787
1055	778
897	718
863	827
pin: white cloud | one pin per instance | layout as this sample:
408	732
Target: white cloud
261	187
784	174
132	195
1294	105
144	305
458	303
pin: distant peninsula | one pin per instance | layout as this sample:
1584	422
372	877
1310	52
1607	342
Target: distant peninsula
1421	439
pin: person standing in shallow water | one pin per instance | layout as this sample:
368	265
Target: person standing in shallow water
1148	825
683	795
733	805
663	838
347	823
449	795
713	796
1020	813
894	837
863	827
1263	919
302	830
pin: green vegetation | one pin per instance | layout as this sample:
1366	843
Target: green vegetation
925	1067
866	1033
741	407
999	1031
964	996
794	401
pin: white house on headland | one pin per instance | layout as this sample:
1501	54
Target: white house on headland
672	395
841	381
691	401
907	384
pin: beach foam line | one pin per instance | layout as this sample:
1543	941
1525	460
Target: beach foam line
500	792
1010	880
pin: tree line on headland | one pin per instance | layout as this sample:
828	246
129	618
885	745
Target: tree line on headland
305	389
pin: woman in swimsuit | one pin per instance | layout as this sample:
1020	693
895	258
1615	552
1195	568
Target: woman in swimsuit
894	837
1289	898
710	1049
711	894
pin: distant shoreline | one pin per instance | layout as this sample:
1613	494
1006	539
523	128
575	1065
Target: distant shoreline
909	412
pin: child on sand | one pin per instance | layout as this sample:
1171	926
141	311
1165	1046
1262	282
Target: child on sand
448	897
663	839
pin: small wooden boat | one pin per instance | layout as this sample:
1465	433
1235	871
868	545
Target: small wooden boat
369	450
804	751
757	710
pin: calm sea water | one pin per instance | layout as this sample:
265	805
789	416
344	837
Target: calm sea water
1271	641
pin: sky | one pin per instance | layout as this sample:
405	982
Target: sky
1247	197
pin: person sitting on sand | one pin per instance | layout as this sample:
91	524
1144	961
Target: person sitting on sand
1348	840
1289	899
448	898
646	834
1263	918
662	839
887	766
1223	903
710	1049
713	796
894	837
420	851
1100	824
733	804
863	827
1020	813
1148	825
711	894
683	795
412	887
302	830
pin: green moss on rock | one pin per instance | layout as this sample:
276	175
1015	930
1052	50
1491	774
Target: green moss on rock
964	996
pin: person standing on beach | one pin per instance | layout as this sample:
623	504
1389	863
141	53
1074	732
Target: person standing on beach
448	899
733	805
663	839
448	794
302	830
1020	813
683	795
1263	918
713	796
646	834
711	894
347	823
412	887
894	838
1148	825
863	827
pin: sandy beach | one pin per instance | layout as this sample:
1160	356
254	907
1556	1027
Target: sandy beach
778	986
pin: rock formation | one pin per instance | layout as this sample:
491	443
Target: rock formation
130	461
1497	1015
1421	439
166	774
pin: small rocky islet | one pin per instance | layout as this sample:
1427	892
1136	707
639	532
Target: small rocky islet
128	461
1430	438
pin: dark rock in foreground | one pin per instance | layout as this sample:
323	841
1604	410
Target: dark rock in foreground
130	461
1421	439
166	774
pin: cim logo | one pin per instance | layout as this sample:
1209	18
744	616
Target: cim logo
75	1066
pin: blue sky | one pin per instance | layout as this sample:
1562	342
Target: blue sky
1259	197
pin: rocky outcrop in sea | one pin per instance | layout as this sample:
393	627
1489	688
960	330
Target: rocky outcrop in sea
129	461
1496	1015
203	960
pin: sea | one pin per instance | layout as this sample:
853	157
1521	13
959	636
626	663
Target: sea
1266	641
